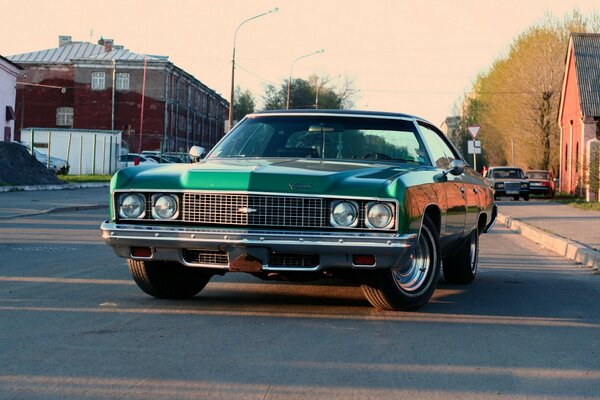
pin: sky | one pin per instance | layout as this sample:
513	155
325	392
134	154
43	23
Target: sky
417	57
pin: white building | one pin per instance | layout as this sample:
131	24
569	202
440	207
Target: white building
8	82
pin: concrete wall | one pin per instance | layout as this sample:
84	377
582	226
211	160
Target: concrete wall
8	79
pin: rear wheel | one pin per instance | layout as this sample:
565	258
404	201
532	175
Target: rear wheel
526	197
462	267
408	287
167	280
516	198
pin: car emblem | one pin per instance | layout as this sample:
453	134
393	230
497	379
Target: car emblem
246	210
300	186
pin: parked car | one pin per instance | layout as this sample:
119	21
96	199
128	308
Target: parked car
133	159
541	182
508	181
158	159
55	164
381	199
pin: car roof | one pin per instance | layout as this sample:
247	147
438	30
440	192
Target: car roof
504	167
347	113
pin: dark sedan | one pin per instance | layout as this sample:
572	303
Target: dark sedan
508	181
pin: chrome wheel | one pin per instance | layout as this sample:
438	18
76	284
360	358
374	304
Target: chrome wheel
408	287
411	277
461	268
474	250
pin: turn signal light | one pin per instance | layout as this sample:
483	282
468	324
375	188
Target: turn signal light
145	252
363	259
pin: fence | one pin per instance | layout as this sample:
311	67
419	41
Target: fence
87	151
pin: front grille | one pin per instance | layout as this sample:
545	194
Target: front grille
512	185
213	257
255	210
293	260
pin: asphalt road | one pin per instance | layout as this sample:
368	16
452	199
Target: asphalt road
74	326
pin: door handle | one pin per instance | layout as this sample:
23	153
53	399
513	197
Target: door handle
475	190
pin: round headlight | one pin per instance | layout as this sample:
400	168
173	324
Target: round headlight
379	215
132	206
164	207
344	214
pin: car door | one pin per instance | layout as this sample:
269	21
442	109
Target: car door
454	207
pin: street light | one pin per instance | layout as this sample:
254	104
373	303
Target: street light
289	88
233	61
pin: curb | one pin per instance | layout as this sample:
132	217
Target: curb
65	186
58	209
562	246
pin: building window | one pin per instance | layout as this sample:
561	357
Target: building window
122	81
64	116
98	81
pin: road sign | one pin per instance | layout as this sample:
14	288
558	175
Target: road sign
474	130
474	146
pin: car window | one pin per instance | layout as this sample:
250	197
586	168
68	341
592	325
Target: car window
441	153
327	137
508	174
537	175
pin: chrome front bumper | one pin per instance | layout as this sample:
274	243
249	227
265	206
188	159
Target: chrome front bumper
335	249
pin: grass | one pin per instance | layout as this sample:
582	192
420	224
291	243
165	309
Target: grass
576	202
85	178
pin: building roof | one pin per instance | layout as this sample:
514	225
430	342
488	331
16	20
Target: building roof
68	52
9	62
586	49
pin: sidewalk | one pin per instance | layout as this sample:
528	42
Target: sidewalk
566	230
24	201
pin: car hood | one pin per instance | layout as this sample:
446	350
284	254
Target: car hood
274	176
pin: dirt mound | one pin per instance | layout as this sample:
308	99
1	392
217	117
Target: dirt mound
18	167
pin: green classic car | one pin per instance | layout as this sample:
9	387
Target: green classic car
381	199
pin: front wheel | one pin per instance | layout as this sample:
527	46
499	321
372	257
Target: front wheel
167	280
408	287
462	267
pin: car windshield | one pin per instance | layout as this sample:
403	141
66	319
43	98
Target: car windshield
324	137
513	173
538	175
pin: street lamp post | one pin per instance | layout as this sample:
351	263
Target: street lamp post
289	85
231	99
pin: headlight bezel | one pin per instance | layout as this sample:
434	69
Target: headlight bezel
121	201
391	219
353	205
156	197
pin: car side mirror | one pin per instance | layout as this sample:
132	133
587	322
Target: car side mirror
457	167
196	153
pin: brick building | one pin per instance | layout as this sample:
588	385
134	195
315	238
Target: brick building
99	86
579	113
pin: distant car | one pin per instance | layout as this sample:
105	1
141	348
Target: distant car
178	157
133	159
55	164
541	182
508	181
381	199
158	159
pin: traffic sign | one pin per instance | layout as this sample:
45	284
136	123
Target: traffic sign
474	130
474	146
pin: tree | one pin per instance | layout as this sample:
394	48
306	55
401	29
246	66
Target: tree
244	103
311	93
516	102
